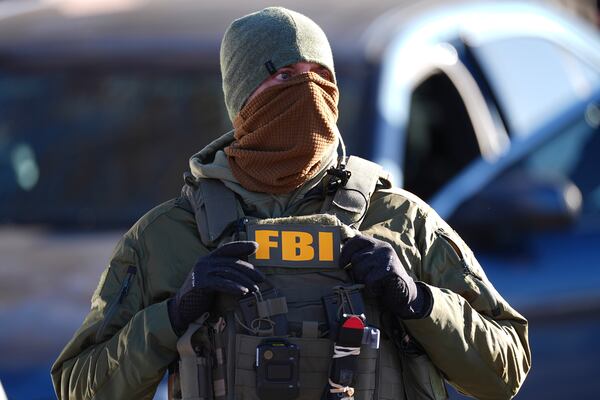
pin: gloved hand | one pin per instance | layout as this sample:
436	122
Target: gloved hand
224	270
375	264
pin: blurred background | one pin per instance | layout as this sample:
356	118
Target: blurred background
489	110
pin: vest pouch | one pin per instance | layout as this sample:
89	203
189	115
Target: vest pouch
421	378
315	358
306	305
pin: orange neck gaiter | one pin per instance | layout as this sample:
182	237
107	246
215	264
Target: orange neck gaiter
283	134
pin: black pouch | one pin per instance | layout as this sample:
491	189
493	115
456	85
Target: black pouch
277	370
345	299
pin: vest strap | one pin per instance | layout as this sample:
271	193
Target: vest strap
310	329
213	204
351	201
271	307
221	206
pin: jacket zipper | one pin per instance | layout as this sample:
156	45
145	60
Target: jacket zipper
494	307
465	267
114	306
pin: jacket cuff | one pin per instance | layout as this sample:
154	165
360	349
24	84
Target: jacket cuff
425	299
161	326
438	315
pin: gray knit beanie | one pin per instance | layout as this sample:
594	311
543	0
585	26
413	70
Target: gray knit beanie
258	44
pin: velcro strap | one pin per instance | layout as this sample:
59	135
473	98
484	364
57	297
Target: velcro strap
270	307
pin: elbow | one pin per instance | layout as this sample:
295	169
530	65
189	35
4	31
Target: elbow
504	381
516	379
512	376
56	375
516	361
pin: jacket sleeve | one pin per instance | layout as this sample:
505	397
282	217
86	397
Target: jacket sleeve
124	346
472	335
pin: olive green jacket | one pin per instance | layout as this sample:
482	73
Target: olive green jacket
124	346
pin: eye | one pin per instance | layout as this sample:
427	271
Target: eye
325	74
283	76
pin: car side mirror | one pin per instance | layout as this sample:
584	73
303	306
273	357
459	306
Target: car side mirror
518	203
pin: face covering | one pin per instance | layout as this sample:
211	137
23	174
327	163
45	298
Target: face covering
283	134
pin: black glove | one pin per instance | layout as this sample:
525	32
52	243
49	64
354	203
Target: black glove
375	264
225	270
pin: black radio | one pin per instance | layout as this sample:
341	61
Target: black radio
277	370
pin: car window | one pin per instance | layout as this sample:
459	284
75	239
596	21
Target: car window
440	138
574	155
534	79
100	147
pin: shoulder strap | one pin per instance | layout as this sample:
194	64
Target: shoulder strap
214	207
351	200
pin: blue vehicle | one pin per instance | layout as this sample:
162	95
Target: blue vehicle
457	82
533	218
491	112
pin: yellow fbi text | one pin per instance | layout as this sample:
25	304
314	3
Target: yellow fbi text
295	245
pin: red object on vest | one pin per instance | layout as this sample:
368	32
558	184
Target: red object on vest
353	322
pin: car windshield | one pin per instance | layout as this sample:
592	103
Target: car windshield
533	78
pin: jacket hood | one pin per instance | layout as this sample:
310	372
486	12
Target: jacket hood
211	162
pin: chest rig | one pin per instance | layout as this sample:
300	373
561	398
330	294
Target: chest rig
308	333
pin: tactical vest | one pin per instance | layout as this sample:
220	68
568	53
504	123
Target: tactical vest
295	315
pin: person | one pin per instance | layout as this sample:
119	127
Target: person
278	246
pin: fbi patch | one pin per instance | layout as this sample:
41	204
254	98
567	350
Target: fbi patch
295	246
